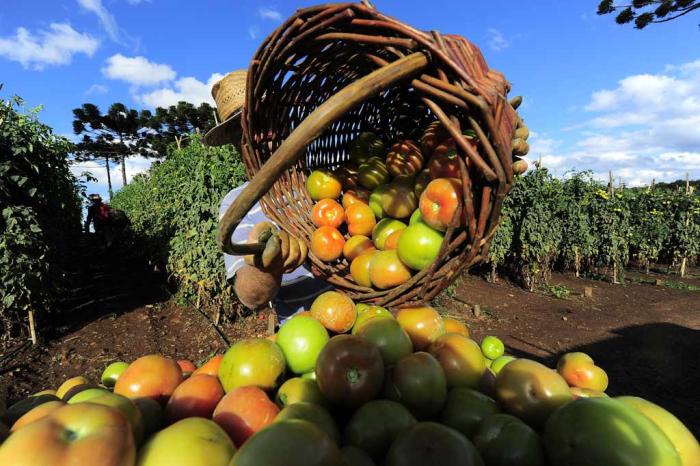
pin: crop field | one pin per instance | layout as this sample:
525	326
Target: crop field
353	249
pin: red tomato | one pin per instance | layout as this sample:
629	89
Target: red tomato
195	397
327	212
244	411
327	243
439	202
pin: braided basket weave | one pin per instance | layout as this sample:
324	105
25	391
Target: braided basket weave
332	71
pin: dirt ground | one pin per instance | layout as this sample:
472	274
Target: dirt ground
646	337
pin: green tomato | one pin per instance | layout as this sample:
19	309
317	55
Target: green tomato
373	173
415	217
387	335
419	246
375	426
499	363
255	361
465	408
375	200
112	373
492	347
383	229
367	315
605	431
301	340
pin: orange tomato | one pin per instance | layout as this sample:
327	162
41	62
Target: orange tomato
354	196
386	270
322	184
357	245
360	219
438	203
186	366
327	243
423	325
37	413
392	241
359	268
195	397
244	411
151	376
327	212
211	367
455	326
335	311
303	313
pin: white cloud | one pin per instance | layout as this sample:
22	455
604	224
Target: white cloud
137	2
270	13
134	166
53	47
497	41
647	127
253	32
186	89
104	16
96	89
138	71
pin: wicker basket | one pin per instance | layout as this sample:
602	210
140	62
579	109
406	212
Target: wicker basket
332	71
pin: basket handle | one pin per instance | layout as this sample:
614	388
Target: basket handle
287	154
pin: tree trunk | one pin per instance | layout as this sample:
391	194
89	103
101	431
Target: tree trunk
577	263
684	263
123	170
109	177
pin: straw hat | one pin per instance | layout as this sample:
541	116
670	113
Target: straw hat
229	95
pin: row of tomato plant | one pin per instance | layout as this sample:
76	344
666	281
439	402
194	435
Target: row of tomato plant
40	222
583	225
173	211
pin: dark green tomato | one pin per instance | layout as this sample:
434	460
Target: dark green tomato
356	457
349	371
465	409
375	425
387	335
430	443
313	413
503	440
418	382
289	443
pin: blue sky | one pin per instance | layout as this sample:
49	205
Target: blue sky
597	95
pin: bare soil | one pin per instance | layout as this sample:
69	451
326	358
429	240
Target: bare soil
646	337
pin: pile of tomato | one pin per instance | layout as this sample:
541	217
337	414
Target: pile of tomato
347	384
386	209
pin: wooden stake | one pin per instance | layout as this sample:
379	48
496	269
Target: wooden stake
611	183
32	327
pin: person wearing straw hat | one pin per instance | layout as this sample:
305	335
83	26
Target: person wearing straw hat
299	288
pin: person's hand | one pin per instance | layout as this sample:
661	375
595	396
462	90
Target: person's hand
282	251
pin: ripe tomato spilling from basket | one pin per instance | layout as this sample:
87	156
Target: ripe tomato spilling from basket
388	150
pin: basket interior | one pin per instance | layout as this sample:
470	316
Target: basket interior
296	90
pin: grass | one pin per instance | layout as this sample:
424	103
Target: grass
558	291
679	285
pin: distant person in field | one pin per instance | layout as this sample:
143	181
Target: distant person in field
98	215
299	287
